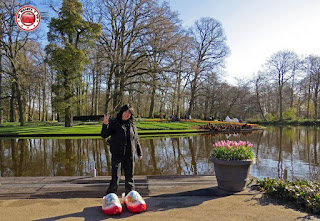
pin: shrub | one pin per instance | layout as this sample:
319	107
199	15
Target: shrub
289	114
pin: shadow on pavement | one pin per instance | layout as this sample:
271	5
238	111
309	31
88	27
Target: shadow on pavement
90	213
161	202
185	199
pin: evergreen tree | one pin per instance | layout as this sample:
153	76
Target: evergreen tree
70	37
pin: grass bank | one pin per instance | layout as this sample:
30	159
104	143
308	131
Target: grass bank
145	127
91	128
300	122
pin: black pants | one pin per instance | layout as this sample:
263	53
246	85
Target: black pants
118	163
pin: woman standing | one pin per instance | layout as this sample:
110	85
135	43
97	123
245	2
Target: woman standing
124	144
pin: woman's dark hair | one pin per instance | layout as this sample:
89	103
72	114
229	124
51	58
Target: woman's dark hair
123	109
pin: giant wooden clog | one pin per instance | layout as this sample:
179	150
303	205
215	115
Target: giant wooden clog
111	204
134	202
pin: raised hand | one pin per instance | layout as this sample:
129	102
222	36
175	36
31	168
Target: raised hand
105	119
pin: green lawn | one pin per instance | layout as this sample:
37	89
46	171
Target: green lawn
94	128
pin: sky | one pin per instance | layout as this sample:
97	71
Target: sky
255	29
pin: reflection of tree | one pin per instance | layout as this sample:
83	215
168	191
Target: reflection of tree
313	171
80	156
70	158
193	156
316	132
106	151
292	161
258	146
45	157
166	156
98	156
280	162
23	156
95	156
64	159
14	157
153	158
184	155
177	156
308	149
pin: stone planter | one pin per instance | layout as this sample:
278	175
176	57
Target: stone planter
231	175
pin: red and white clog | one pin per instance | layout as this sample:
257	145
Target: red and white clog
111	204
134	202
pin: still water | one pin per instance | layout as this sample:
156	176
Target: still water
276	149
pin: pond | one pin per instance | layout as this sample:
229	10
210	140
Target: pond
276	149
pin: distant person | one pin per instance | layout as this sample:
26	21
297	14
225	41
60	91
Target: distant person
124	144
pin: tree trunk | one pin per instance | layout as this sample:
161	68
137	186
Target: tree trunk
174	100
139	97
1	34
258	101
20	105
193	93
30	114
44	105
1	85
78	96
153	94
280	83
68	117
119	101
44	97
39	102
206	104
315	102
308	99
93	92
12	103
292	92
108	93
51	99
280	102
116	91
179	95
96	100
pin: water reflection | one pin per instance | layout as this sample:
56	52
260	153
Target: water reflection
276	148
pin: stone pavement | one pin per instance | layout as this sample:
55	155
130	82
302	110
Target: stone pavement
167	197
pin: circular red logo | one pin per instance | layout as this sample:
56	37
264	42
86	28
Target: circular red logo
28	18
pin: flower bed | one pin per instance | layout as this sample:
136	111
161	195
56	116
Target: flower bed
305	195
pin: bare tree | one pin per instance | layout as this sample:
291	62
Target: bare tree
259	83
210	50
282	67
1	73
13	40
124	24
312	67
161	39
181	57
